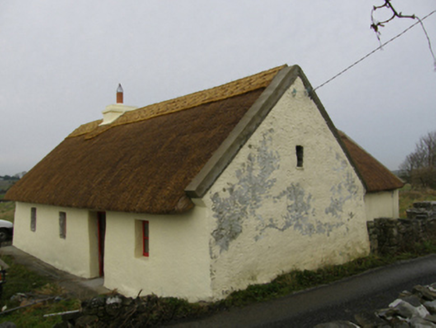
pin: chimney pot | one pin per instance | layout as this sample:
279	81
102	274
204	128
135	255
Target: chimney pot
119	94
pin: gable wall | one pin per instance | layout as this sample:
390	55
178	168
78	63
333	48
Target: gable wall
73	254
383	204
178	262
269	217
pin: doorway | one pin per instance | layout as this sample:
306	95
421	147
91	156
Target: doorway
101	228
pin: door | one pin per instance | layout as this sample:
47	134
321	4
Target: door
101	228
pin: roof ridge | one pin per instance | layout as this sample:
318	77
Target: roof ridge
221	92
393	183
85	128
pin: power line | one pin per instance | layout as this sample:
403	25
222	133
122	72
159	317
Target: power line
381	47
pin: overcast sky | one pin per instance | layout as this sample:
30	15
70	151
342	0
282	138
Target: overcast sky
61	62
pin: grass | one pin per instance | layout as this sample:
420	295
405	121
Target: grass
5	185
21	280
7	210
408	196
33	316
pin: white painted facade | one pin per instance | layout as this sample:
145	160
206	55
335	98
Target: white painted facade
178	262
270	216
383	204
77	253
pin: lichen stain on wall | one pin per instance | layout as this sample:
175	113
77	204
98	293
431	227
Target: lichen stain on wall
245	197
297	207
342	192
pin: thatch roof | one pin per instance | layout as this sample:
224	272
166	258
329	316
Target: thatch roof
375	176
154	159
143	161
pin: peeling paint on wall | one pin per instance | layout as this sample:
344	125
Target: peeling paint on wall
346	190
300	214
242	200
298	210
270	216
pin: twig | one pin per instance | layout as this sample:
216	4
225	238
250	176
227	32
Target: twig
375	25
60	313
428	41
27	305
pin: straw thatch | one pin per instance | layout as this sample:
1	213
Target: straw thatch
375	176
140	167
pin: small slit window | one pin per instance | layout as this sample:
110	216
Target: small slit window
33	219
299	152
145	239
63	225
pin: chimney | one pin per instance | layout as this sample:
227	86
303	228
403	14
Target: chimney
112	112
119	94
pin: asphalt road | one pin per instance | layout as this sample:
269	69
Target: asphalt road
369	291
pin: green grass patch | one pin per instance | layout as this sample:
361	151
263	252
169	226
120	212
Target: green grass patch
21	280
408	196
7	210
34	316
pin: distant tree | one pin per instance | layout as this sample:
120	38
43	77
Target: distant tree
419	167
19	175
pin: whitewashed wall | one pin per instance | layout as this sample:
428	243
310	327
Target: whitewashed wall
75	254
269	216
178	263
382	204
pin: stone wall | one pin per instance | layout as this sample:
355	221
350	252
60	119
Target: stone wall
422	210
389	236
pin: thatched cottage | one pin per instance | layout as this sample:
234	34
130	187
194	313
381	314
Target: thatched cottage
204	194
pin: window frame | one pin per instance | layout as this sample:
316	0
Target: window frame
145	238
63	225
33	219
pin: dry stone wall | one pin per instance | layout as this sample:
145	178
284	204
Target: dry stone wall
389	236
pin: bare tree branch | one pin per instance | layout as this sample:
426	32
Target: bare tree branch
375	25
419	167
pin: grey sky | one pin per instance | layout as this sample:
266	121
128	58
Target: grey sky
61	62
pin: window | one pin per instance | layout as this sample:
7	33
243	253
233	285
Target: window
33	219
63	225
299	153
145	239
142	239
